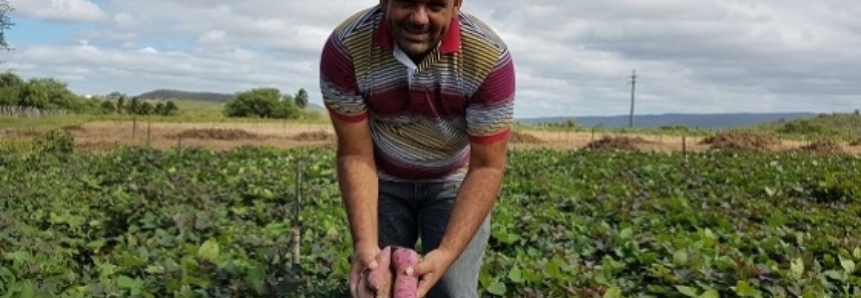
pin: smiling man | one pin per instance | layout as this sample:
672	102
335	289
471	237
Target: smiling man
421	96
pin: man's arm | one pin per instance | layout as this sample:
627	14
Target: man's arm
476	196
357	179
489	117
356	171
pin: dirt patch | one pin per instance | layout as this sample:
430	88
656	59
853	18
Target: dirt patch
314	136
623	143
229	134
823	146
22	133
737	140
73	128
523	138
97	146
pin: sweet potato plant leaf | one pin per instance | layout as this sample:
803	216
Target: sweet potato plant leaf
497	288
710	294
687	291
613	292
847	264
515	275
209	250
743	289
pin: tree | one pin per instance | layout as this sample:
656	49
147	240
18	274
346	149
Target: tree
108	107
11	87
170	108
121	104
301	98
134	106
5	22
262	103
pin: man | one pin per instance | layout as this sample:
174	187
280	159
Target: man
421	96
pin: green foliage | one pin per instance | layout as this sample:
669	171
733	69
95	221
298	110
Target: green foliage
804	127
54	143
168	94
262	103
196	223
5	22
301	98
43	93
137	106
52	94
839	126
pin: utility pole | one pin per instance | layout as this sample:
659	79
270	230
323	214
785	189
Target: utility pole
633	84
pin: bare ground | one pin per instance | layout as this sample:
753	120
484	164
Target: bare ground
109	134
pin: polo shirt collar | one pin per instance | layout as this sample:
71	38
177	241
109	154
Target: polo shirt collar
450	42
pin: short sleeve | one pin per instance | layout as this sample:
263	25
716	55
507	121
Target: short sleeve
490	113
338	85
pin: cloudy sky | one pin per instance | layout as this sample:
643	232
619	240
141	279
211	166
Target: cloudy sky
572	57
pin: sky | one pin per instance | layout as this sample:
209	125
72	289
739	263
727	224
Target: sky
572	58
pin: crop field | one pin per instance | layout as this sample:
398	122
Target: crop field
105	135
196	222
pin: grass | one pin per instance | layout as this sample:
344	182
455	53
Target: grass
845	127
841	127
190	112
835	126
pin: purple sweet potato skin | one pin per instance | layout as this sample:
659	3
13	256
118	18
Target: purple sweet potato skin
405	286
376	278
385	287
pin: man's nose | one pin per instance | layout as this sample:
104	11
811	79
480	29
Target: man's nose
419	16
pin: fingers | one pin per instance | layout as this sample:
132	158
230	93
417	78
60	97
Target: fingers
420	269
425	283
371	264
427	275
355	275
362	264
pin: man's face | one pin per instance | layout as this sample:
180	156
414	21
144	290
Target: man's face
419	25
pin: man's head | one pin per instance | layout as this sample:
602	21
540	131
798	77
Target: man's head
418	25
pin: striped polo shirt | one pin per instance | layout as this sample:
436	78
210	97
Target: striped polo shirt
422	117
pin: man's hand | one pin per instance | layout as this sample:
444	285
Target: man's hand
364	260
430	269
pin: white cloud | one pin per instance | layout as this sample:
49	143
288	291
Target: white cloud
59	10
572	57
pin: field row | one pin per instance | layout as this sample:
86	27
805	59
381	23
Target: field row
141	222
107	135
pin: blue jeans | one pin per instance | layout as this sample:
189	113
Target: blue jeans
409	211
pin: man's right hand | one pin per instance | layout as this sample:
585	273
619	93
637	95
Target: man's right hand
364	260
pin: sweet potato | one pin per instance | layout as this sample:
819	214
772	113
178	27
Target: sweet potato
382	279
376	278
405	286
385	288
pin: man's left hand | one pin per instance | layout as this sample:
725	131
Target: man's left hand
430	269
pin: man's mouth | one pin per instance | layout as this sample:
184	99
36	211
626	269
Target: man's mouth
415	35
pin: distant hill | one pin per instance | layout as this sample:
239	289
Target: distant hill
712	121
187	95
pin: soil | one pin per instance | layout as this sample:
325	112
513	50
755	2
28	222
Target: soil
824	146
314	136
106	135
523	138
745	141
623	143
215	134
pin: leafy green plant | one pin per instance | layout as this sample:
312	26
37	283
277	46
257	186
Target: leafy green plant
140	222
